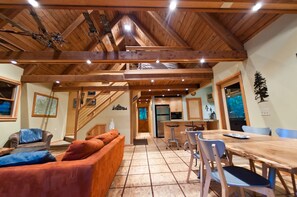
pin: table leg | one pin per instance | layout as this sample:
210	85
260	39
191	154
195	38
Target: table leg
271	177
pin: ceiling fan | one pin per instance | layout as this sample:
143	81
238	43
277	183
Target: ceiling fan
45	38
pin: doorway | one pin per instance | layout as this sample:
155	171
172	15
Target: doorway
143	119
232	103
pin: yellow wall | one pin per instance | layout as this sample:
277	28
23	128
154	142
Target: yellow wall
7	128
273	53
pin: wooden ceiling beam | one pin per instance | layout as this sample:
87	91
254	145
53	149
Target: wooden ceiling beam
76	23
121	76
156	48
165	26
271	6
77	57
164	87
10	14
143	29
165	93
227	36
86	88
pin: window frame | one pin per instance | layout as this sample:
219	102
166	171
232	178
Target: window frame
15	100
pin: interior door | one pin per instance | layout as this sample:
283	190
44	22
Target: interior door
194	108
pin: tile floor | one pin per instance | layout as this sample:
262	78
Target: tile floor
153	170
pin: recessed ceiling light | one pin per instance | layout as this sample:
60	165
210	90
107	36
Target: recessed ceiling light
146	99
168	90
187	89
257	7
150	90
157	61
13	62
89	62
163	95
58	82
172	5
177	95
152	81
183	80
127	27
34	3
202	60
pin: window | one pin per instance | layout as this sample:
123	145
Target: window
9	96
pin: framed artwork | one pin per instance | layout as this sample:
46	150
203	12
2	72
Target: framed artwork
44	106
91	93
91	102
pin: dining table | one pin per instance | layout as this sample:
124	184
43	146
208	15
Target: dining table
273	151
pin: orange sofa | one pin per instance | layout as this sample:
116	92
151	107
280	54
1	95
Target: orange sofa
88	177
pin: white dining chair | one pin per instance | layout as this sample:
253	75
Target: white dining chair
231	178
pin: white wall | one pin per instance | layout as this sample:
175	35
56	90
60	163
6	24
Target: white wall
121	118
7	128
202	93
273	53
57	125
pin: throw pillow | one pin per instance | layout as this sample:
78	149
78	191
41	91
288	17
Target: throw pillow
30	135
81	149
26	158
108	137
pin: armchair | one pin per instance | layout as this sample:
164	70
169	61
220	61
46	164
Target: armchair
14	142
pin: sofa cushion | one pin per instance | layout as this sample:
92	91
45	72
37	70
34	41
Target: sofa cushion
30	135
108	136
81	149
26	158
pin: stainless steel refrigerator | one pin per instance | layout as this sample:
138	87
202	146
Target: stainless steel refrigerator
162	113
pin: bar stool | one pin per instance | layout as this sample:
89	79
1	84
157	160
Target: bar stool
172	135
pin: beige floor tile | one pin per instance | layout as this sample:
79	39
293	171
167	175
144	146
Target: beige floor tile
181	177
178	167
127	157
139	162
154	155
114	192
174	160
156	161
163	179
191	190
138	191
123	170
139	170
136	180
168	191
126	162
159	168
139	156
118	181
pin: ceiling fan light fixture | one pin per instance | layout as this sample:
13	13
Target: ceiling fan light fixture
34	3
257	7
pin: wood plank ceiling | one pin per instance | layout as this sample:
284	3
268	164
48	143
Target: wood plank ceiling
205	30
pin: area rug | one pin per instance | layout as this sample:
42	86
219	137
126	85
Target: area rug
140	142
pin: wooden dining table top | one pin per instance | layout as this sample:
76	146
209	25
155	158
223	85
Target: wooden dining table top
274	151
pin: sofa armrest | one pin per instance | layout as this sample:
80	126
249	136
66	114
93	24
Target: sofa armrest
14	140
47	136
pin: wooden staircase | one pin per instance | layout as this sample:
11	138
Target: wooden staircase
95	106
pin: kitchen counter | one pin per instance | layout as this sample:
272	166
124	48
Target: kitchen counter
207	124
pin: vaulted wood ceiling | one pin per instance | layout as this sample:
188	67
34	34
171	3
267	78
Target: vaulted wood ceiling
213	30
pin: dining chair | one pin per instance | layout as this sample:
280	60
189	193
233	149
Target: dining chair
263	131
192	144
231	178
286	133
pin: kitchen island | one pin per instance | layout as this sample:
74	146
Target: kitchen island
183	124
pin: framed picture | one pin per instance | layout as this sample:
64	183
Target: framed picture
91	102
44	106
91	93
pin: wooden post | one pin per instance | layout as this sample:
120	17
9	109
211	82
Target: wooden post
77	113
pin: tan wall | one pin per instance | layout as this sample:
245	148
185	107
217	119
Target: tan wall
121	118
273	53
7	128
57	125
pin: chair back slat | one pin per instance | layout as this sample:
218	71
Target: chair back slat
286	133
206	146
191	135
261	131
